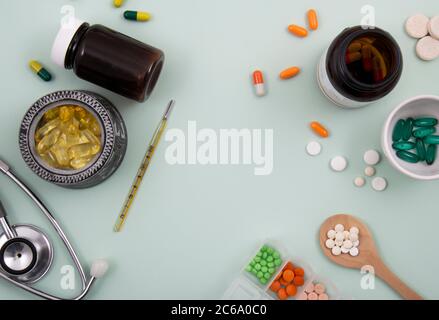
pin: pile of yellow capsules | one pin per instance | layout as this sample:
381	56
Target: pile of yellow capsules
68	137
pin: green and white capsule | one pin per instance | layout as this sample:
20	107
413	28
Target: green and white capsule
39	70
136	15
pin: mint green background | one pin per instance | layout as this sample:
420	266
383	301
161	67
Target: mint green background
192	227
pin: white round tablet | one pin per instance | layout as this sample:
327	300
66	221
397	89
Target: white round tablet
379	184
331	234
347	244
417	26
427	48
313	148
359	182
369	171
330	243
356	243
354	251
338	163
371	157
353	237
336	251
344	250
354	230
339	228
346	235
339	236
433	27
338	243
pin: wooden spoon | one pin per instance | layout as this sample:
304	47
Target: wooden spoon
368	254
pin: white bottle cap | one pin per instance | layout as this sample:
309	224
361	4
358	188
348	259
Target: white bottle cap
63	39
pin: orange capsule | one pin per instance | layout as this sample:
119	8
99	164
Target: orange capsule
297	30
352	57
289	73
366	53
319	129
313	22
258	83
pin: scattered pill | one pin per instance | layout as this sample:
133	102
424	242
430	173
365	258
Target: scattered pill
338	163
371	157
379	184
359	182
331	234
369	171
339	228
289	73
313	22
258	83
319	129
433	27
330	243
297	30
354	252
427	48
313	148
118	3
417	26
40	70
137	15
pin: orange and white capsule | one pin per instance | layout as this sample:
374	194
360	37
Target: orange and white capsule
258	83
319	129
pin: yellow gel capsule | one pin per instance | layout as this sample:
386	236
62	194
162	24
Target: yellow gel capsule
118	3
83	150
44	130
48	141
79	162
91	137
60	154
66	113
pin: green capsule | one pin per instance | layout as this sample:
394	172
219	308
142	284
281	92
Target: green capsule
136	15
407	156
407	130
403	145
420	149
430	157
40	71
431	140
398	129
425	122
423	132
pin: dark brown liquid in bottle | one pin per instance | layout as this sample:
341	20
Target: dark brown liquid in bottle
115	61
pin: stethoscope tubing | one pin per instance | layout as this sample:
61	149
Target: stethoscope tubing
85	285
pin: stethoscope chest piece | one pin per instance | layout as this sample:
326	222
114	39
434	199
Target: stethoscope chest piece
28	256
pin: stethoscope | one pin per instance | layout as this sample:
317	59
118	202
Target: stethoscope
26	254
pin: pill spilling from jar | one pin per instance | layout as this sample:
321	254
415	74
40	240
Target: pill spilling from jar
68	137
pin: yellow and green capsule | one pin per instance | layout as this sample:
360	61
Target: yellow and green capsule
40	71
117	3
136	15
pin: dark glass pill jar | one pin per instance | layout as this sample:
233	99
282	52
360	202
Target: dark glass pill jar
359	67
75	139
108	59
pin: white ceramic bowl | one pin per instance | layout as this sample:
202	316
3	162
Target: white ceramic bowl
420	106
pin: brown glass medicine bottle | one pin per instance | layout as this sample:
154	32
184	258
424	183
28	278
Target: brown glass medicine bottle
108	59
